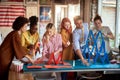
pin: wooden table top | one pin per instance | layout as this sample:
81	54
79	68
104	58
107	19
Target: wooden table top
20	76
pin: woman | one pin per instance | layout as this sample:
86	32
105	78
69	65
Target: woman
107	34
11	47
31	36
66	33
52	42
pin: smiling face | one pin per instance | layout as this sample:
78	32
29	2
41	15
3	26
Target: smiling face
24	28
67	25
97	24
51	31
78	23
33	29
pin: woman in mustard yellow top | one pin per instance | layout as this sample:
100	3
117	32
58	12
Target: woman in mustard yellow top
66	32
31	36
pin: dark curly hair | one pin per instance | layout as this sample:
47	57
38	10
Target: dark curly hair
33	20
97	17
19	22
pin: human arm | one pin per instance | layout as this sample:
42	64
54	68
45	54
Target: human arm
23	39
65	42
58	46
19	51
76	46
45	49
30	59
79	53
109	34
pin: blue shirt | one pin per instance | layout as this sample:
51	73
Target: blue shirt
77	35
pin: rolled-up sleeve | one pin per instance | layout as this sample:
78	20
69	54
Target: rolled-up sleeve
45	49
60	43
76	44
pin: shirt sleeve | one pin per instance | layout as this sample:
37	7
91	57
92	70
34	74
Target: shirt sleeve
60	42
76	44
63	37
45	49
23	40
19	51
108	30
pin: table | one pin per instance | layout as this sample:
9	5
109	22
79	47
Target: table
20	76
78	67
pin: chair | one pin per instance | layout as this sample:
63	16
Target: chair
44	76
90	76
87	75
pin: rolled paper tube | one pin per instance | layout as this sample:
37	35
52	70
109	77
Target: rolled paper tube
57	66
34	66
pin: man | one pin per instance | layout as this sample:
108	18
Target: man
80	35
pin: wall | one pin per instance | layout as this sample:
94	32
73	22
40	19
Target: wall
4	31
30	11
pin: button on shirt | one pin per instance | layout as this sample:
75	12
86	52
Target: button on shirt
77	35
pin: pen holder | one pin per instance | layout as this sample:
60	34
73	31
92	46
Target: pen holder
16	66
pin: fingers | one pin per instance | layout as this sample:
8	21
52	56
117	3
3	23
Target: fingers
85	62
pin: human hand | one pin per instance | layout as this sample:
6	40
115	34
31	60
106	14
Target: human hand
38	60
47	55
67	44
31	46
85	62
106	35
32	60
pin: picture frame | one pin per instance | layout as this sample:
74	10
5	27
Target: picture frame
11	0
45	14
45	2
31	1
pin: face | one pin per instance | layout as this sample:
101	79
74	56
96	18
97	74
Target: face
78	23
24	28
33	29
51	31
67	25
97	24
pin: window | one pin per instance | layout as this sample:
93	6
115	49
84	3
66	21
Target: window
108	14
118	22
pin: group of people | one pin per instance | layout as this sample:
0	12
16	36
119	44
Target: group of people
23	44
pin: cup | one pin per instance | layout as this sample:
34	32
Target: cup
18	66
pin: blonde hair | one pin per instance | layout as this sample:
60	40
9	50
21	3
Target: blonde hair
45	38
76	18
